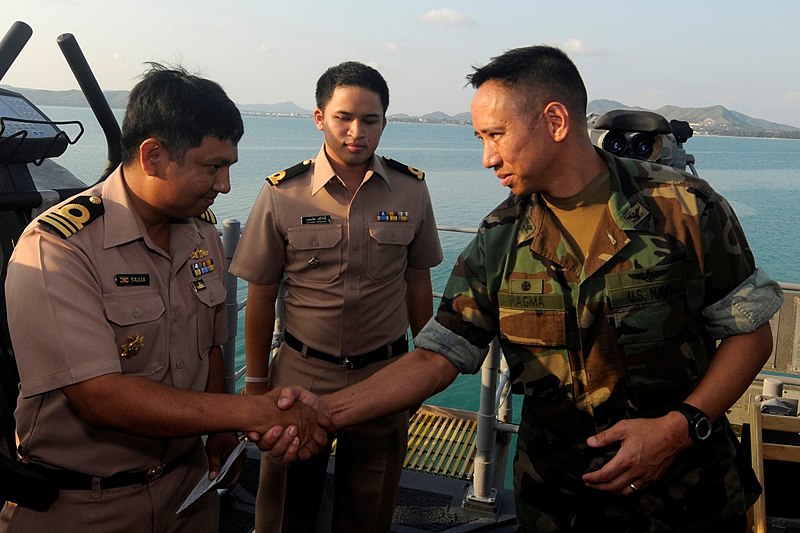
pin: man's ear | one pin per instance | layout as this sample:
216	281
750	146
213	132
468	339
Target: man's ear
152	155
318	118
556	117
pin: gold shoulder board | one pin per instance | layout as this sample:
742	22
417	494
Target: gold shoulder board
68	219
290	172
209	217
405	169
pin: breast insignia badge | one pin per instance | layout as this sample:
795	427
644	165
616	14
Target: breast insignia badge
203	267
392	216
132	345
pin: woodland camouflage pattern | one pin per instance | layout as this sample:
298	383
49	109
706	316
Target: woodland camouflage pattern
621	336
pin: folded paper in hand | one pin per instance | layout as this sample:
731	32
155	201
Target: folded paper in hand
205	484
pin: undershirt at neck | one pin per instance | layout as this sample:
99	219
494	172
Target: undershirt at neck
579	215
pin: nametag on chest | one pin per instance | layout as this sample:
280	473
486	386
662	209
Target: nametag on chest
529	294
316	219
644	286
132	280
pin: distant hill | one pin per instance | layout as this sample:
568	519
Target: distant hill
283	108
70	98
713	120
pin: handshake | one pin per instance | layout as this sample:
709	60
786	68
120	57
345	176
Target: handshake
298	423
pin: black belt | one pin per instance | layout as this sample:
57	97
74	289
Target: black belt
352	362
71	480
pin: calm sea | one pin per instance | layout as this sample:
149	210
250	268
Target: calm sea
760	178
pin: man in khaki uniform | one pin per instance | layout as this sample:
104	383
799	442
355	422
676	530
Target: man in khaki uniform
116	313
353	237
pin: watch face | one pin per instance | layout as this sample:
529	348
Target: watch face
703	428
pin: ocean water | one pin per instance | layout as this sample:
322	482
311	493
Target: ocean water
760	178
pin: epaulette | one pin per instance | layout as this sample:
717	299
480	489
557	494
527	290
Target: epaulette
405	169
70	218
209	217
290	172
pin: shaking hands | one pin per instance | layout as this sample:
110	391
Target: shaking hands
294	424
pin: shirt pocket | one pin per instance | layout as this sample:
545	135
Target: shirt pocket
648	305
530	317
649	318
208	299
136	318
314	253
387	256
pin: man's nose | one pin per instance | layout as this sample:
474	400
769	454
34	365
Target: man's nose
356	129
490	156
223	182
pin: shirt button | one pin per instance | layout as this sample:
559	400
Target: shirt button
176	317
179	364
315	243
137	313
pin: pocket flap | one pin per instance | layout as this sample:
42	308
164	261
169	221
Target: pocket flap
392	233
315	236
134	308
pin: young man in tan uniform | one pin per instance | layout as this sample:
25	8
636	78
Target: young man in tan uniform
352	236
116	308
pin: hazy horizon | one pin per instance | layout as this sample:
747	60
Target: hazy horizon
686	54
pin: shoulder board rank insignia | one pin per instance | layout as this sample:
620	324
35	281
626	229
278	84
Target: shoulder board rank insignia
290	172
405	169
209	217
70	218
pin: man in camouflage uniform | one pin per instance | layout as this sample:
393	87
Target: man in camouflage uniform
608	282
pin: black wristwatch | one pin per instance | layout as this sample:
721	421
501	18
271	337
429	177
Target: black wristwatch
699	423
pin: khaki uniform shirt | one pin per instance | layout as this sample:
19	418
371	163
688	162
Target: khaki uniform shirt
627	333
105	299
344	261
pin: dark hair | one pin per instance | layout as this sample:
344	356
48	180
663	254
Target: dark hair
353	74
545	73
179	109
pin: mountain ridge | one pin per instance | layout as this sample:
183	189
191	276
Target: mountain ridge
710	120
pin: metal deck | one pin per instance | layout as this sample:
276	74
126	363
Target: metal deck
436	476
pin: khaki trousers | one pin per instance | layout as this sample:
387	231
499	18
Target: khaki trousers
369	460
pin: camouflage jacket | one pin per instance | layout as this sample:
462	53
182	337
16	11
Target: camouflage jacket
627	333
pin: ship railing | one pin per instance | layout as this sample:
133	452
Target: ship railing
495	412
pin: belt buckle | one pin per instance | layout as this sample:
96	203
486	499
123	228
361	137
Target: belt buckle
347	363
154	473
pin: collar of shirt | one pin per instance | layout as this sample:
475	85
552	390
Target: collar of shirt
122	222
323	171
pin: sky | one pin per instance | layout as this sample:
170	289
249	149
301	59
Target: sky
738	54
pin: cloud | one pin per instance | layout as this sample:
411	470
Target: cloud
792	98
576	46
445	17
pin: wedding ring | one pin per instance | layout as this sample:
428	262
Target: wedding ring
633	487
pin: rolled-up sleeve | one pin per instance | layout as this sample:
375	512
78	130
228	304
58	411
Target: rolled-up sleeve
466	357
746	308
